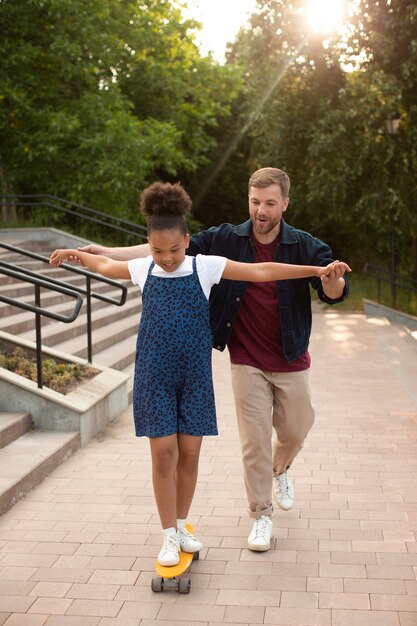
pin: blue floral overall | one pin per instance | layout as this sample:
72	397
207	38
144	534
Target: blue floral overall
173	386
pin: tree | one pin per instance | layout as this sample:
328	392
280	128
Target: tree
326	125
101	98
386	38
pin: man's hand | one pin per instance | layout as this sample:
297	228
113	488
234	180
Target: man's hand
92	248
334	271
332	279
125	253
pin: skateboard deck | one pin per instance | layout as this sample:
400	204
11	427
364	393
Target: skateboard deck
170	577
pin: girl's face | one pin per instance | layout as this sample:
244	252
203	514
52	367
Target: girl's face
168	248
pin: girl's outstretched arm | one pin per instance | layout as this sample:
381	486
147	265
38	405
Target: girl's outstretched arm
94	262
264	272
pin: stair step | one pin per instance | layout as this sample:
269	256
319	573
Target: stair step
20	321
54	334
24	463
16	288
118	356
33	245
12	426
11	287
103	337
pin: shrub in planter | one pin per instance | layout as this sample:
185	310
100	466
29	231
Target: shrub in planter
59	376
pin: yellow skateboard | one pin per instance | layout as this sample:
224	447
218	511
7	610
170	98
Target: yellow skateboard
170	577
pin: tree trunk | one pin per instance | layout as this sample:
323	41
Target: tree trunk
415	259
8	205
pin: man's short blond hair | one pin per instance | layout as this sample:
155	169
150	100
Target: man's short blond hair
271	176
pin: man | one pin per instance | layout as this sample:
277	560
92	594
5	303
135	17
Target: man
266	327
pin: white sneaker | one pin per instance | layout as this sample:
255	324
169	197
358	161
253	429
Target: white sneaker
169	554
188	543
260	536
283	491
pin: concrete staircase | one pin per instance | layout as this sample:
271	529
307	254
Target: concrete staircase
114	328
26	456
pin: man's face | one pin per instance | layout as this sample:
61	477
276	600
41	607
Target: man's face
266	206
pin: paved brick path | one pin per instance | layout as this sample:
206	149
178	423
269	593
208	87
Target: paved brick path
80	549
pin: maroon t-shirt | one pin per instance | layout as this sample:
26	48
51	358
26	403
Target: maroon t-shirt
256	336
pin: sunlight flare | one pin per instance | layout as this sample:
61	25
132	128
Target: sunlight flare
325	15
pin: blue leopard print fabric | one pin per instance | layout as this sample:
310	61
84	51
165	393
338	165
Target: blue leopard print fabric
173	384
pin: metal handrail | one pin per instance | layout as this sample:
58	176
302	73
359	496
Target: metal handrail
87	291
76	270
39	310
114	222
384	275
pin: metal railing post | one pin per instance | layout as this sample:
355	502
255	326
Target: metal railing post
393	280
394	290
38	337
89	329
379	287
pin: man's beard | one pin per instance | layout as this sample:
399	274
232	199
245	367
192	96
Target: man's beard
265	227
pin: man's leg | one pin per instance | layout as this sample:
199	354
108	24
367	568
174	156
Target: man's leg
292	419
253	396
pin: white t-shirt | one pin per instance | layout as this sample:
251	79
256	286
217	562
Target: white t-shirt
209	270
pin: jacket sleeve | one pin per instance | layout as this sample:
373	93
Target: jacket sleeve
322	256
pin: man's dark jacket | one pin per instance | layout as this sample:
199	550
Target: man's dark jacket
296	246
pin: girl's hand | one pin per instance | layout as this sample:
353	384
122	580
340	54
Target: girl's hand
59	256
333	271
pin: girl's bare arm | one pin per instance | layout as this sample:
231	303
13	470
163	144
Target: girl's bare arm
96	263
264	272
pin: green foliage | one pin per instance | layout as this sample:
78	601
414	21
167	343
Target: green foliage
362	286
352	184
61	377
98	99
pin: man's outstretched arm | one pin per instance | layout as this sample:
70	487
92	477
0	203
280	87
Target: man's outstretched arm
117	254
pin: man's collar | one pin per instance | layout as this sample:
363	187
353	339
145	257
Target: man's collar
245	229
287	234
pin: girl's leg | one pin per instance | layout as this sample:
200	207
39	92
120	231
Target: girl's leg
187	471
165	454
189	452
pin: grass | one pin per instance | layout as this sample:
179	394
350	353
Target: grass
362	286
61	377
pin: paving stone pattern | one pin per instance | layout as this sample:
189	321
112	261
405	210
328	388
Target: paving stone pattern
79	550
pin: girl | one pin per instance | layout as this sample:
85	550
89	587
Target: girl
173	399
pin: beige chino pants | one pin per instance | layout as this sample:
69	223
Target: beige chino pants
266	401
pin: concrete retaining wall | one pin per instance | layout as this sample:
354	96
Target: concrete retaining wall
88	409
373	309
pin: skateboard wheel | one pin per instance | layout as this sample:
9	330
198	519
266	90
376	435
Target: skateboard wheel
157	584
196	556
184	585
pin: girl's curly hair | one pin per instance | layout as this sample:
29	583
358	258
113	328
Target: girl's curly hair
165	206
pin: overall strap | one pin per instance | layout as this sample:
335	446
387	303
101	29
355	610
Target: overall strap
152	265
